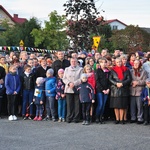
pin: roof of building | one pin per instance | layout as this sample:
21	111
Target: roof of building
113	20
19	20
146	29
15	19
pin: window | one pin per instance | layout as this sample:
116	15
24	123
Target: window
115	27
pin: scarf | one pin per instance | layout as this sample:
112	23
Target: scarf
131	63
120	70
136	72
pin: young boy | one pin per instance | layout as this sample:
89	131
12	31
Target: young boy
50	92
145	96
39	98
28	85
86	95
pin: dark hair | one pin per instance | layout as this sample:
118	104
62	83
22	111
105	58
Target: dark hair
129	56
27	66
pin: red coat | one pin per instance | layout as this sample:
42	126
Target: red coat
92	81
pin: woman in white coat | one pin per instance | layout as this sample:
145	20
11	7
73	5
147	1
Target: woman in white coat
71	79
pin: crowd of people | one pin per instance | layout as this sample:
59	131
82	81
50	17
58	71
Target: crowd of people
92	87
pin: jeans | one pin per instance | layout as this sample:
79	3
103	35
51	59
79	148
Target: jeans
101	101
27	99
136	104
62	108
11	104
39	110
50	106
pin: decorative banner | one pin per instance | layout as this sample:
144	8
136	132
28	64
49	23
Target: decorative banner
96	41
22	48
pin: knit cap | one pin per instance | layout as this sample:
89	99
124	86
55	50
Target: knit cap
50	71
40	80
60	71
84	75
148	80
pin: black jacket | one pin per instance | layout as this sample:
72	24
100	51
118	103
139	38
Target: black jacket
28	83
41	72
58	64
102	80
124	90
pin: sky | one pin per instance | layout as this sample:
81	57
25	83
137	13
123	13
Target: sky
135	12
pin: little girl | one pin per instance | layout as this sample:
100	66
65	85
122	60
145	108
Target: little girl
39	98
60	96
13	85
91	80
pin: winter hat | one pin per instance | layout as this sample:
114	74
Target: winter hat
148	80
50	71
60	71
40	80
84	75
141	54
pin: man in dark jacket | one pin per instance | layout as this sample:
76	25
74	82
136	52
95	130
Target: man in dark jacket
60	63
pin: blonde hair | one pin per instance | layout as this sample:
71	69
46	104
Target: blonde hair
85	67
11	66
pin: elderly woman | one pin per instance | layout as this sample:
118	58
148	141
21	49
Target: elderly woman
71	79
138	83
120	79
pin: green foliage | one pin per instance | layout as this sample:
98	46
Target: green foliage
53	35
131	39
13	34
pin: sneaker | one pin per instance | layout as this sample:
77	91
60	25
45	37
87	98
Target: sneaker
145	123
36	118
25	118
46	118
29	118
10	118
83	123
59	120
53	119
63	120
39	119
87	123
14	118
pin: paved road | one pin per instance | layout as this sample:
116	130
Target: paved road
48	135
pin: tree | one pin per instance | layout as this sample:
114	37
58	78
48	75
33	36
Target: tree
82	22
53	36
13	34
131	39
